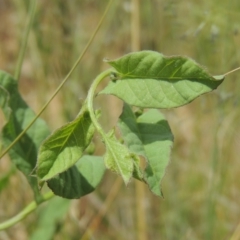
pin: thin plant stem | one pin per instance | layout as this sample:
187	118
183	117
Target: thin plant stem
91	95
63	82
25	39
25	212
234	70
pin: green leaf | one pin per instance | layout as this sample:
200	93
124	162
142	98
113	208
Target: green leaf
49	219
130	131
137	169
151	80
117	158
4	102
65	146
5	178
148	135
18	116
219	77
79	180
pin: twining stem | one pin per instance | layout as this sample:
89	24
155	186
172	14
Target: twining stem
234	70
25	39
25	212
62	83
91	95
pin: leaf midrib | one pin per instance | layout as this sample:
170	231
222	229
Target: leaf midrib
128	77
109	148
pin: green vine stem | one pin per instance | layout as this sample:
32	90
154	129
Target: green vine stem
62	83
25	212
91	95
232	71
25	39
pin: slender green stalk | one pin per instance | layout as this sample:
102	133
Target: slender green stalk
25	39
234	70
91	95
25	212
62	83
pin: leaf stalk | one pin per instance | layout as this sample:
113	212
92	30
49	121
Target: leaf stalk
91	95
234	70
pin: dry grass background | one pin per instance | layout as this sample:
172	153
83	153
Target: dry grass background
201	185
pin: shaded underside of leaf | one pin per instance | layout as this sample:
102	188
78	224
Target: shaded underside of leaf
148	135
18	116
151	80
79	180
130	131
65	146
158	140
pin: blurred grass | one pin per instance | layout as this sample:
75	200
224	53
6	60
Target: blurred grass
201	186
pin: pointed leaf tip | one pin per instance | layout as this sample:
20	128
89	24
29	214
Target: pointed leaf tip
219	77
